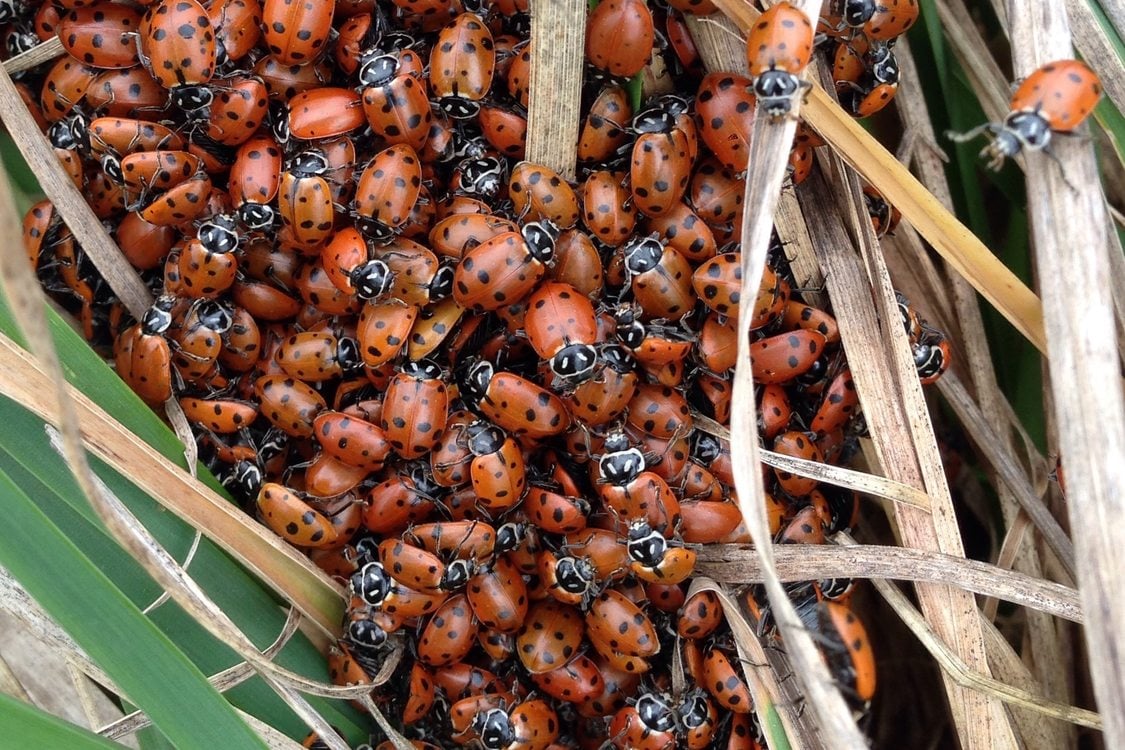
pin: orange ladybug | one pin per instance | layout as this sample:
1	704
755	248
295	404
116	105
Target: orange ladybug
1057	97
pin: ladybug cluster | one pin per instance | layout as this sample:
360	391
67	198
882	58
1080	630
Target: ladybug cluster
467	387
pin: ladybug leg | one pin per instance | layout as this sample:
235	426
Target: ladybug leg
969	135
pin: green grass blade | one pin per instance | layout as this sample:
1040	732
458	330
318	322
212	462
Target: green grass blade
139	658
22	725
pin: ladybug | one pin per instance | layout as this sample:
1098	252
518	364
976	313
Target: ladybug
700	616
778	49
649	724
660	163
577	681
785	356
497	468
514	403
255	177
289	404
238	29
450	633
178	48
1058	97
932	357
315	356
415	409
395	102
505	128
632	492
660	277
101	36
725	106
607	209
199	339
296	32
619	38
891	19
293	519
652	559
462	63
561	326
498	595
847	649
550	636
351	440
504	269
387	192
143	357
884	216
611	387
241	105
539	193
223	416
605	130
304	201
616	624
723	683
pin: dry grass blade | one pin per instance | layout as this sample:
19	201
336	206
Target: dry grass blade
897	416
10	684
765	687
1011	474
274	562
34	57
953	241
969	678
769	155
985	76
1068	227
734	564
70	202
558	30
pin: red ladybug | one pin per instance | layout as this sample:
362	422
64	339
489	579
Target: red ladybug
178	48
295	32
504	269
102	36
143	357
1058	97
778	48
562	328
619	37
515	403
415	409
395	102
462	63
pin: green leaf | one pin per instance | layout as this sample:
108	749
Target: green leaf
27	457
136	655
22	725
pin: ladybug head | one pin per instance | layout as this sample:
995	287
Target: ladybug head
931	359
19	41
441	285
257	216
775	90
61	135
279	122
494	729
376	68
509	536
477	379
705	447
883	64
653	710
858	12
244	479
111	165
835	588
308	163
367	550
574	575
480	176
642	254
457	575
193	101
617	358
541	237
484	438
348	354
655	119
646	546
10	10
365	633
423	480
1020	130
574	363
371	583
372	279
219	234
695	709
621	467
158	318
459	108
422	369
394	41
213	316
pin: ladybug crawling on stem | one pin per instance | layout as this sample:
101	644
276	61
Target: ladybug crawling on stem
1057	97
